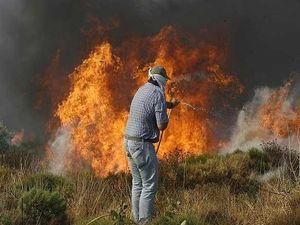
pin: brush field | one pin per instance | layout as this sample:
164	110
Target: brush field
257	187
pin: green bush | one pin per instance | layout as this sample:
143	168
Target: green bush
238	163
241	179
282	156
170	174
198	158
5	220
4	138
23	156
50	182
5	174
239	184
235	170
43	207
218	217
274	152
259	161
212	170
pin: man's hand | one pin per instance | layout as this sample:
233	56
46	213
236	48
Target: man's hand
173	103
162	127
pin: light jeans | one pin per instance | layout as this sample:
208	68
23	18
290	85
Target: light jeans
144	168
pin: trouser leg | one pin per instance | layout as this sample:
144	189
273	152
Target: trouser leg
135	192
136	180
149	176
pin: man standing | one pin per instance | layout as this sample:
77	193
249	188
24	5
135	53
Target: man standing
147	117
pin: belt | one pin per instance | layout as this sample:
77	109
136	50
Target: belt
139	139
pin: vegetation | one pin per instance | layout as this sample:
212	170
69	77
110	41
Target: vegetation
259	186
4	138
38	206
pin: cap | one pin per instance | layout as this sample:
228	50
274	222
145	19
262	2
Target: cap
159	70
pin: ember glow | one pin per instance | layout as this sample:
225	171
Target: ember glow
96	107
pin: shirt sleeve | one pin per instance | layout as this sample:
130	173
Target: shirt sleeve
161	110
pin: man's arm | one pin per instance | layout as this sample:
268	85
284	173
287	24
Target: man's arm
161	115
162	126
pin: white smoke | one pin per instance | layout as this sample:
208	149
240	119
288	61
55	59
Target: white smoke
60	146
249	132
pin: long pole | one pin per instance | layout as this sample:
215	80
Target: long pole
162	133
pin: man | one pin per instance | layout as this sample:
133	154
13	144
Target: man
147	117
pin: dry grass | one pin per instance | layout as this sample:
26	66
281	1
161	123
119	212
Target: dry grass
204	190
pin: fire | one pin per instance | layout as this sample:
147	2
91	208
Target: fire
278	115
88	110
96	107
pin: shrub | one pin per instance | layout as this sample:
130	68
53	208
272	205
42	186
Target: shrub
23	156
5	220
5	174
170	175
218	217
238	163
241	178
274	152
240	184
4	138
234	170
198	158
43	207
50	182
282	156
259	161
213	170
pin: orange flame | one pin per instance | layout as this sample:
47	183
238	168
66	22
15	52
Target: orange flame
277	114
96	108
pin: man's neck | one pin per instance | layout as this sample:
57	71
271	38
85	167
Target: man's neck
154	82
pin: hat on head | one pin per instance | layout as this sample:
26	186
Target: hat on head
159	70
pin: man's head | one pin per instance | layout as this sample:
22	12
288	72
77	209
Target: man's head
159	70
158	74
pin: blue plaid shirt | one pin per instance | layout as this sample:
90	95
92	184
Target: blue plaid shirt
147	110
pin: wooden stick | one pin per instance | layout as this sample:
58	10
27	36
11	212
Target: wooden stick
162	133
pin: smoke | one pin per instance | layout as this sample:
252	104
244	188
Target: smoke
30	34
60	147
248	131
264	42
271	114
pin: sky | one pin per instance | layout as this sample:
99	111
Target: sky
264	41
